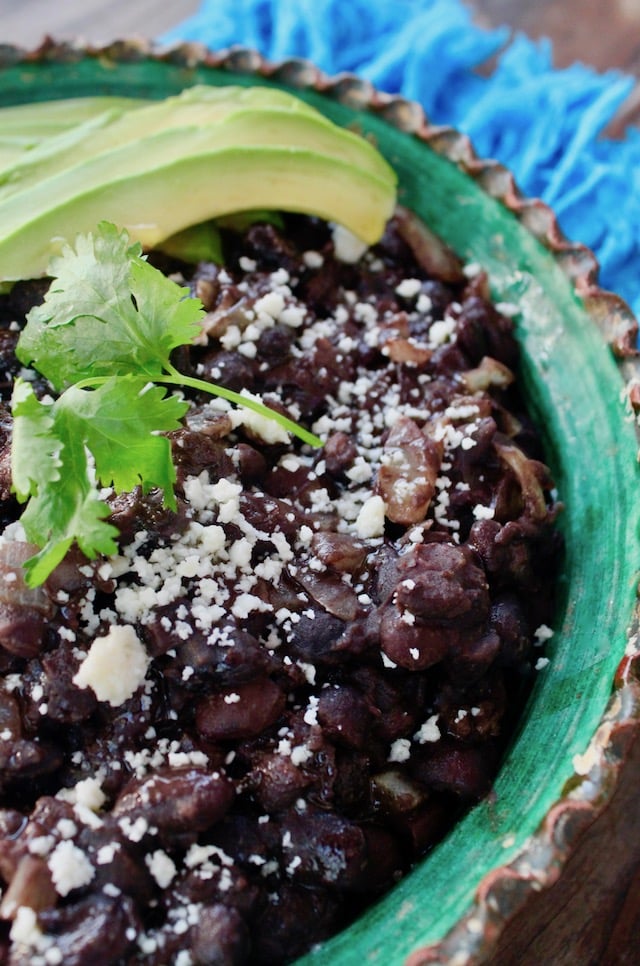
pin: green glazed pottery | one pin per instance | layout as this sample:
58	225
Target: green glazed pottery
565	755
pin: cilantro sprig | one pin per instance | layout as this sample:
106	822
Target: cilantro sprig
102	338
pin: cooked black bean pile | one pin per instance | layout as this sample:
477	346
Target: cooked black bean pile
220	744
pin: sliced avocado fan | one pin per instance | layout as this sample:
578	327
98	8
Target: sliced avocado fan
159	168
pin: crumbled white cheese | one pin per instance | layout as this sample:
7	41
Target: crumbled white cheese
300	754
70	868
481	512
409	288
360	472
542	634
41	845
25	930
313	259
472	269
311	714
106	854
347	248
441	332
265	427
134	830
115	666
429	731
584	763
272	304
89	794
370	519
162	867
293	316
400	750
510	309
66	828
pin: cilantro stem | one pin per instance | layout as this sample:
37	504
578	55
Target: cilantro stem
176	378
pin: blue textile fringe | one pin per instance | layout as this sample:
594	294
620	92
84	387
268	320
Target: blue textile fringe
542	123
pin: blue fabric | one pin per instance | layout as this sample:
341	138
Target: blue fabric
544	124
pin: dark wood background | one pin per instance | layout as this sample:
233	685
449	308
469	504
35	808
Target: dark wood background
592	916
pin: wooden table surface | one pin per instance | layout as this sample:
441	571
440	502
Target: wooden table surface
592	916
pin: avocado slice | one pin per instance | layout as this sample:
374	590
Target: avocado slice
39	156
197	243
159	184
113	128
42	119
13	147
153	203
32	133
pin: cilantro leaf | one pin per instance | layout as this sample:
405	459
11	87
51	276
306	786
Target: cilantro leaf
33	432
81	519
103	337
119	422
107	312
64	504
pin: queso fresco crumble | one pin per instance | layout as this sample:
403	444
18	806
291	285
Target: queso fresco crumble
223	742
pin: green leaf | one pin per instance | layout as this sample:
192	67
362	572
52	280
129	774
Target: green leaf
119	422
33	433
166	316
102	337
108	312
66	508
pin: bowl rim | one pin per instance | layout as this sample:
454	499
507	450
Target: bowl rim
503	892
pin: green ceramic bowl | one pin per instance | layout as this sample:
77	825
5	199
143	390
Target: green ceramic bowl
565	755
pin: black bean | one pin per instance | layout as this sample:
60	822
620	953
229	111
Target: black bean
325	849
443	582
239	659
465	772
229	369
340	551
221	937
119	864
294	919
269	247
195	452
66	702
242	712
346	716
177	800
276	781
313	638
92	928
